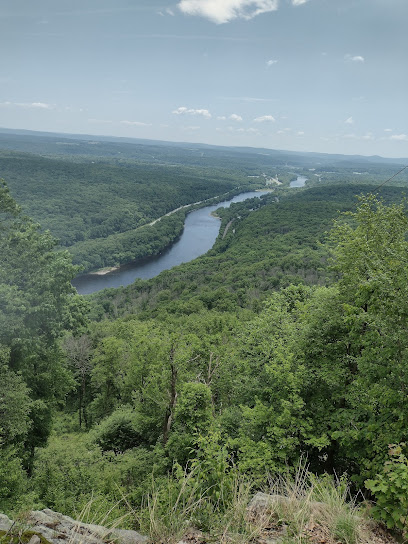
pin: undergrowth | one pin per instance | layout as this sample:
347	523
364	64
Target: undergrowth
296	510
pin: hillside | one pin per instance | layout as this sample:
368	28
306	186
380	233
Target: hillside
97	196
279	244
95	208
174	400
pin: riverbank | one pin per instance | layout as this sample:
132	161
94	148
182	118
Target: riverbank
200	231
187	208
104	271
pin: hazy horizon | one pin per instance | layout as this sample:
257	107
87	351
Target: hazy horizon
295	75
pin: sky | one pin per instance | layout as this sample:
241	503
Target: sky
304	75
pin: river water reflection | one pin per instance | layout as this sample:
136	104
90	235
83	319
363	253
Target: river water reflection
199	235
299	182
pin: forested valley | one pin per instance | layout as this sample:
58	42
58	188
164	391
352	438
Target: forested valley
285	346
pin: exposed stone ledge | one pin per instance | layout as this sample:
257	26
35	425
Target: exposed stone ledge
57	529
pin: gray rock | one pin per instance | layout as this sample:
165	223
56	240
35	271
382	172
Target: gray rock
40	517
60	517
126	536
57	529
46	532
262	501
5	522
34	540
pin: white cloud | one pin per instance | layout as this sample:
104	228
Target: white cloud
264	118
167	11
354	58
180	110
40	105
368	136
349	121
388	130
298	2
190	111
221	118
235	117
34	105
271	62
235	130
223	11
399	137
136	123
300	133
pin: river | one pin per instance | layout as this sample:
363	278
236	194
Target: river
199	235
299	182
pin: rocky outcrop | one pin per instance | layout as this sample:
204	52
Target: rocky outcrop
59	529
5	523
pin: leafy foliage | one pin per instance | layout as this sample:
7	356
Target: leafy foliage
233	366
13	479
101	210
37	304
15	406
390	489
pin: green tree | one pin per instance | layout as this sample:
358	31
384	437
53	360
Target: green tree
37	304
273	425
13	479
355	344
78	352
192	417
15	406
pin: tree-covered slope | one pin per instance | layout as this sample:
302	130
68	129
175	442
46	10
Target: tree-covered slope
88	201
96	195
37	303
267	246
97	207
232	368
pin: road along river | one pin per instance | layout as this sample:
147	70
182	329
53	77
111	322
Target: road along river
199	234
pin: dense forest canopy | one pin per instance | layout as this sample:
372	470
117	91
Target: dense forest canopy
98	209
286	341
98	197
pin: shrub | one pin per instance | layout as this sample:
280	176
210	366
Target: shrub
390	489
120	431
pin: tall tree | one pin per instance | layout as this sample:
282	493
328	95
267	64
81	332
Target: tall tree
37	304
355	341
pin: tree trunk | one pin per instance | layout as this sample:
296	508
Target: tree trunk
173	399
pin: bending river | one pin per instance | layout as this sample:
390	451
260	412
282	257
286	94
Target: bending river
199	235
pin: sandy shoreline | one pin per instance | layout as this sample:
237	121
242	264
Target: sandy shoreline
104	271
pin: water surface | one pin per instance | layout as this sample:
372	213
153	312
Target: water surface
199	235
299	182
